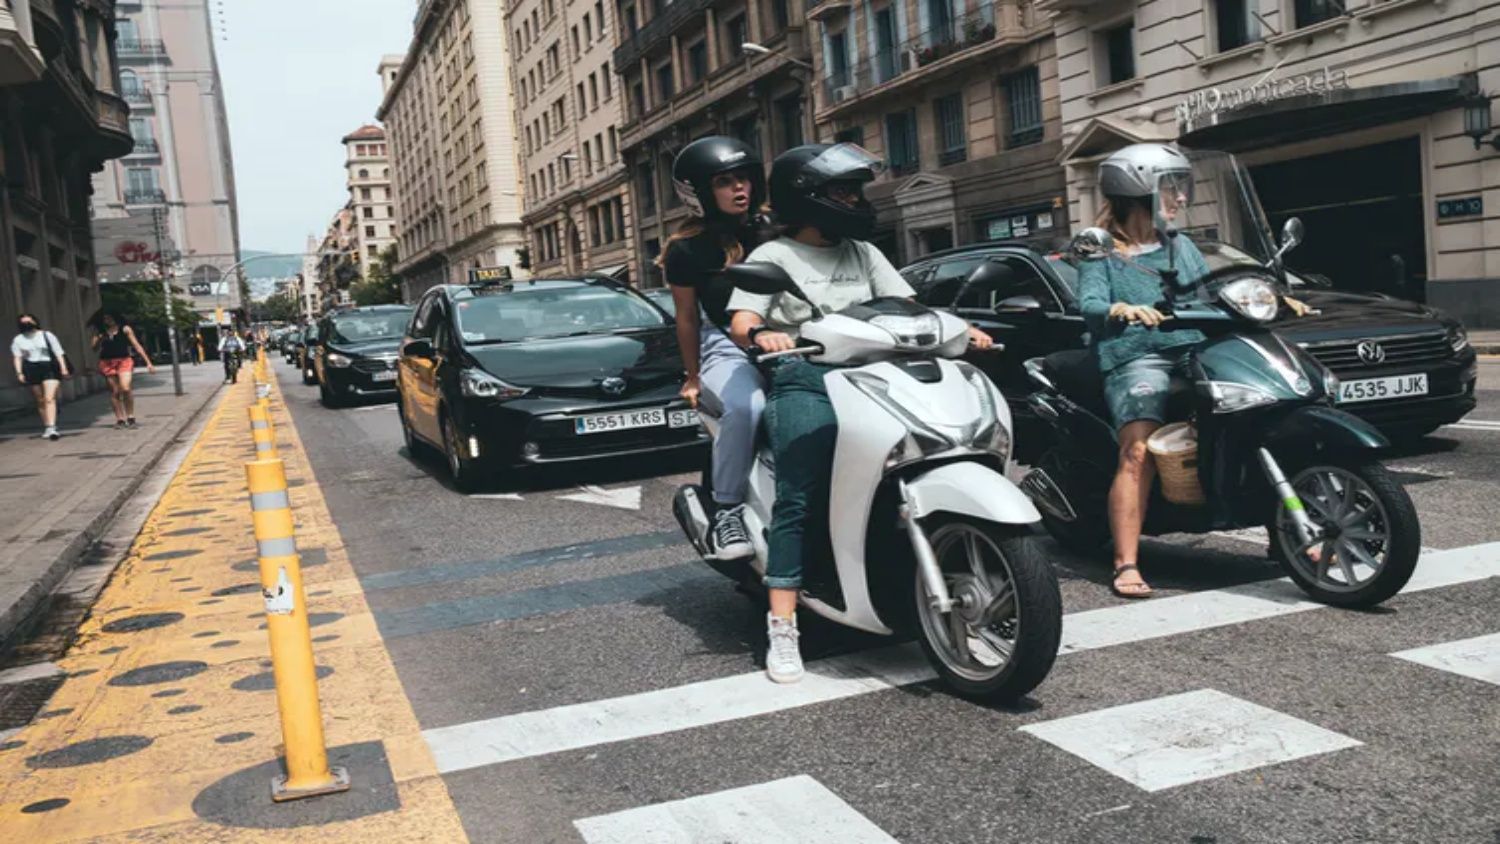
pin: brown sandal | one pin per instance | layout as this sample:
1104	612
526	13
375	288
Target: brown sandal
1131	591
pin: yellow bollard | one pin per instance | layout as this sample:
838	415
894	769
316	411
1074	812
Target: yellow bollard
307	770
261	432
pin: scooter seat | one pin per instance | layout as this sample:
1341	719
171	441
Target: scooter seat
1077	376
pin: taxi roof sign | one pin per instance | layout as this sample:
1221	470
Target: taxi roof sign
479	275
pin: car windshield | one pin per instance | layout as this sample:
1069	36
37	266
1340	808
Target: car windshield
1220	255
528	314
362	328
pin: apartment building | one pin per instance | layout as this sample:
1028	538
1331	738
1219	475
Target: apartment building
1368	119
449	115
338	261
368	176
61	118
576	185
960	97
685	72
181	160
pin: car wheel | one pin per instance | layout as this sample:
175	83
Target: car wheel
331	397
464	471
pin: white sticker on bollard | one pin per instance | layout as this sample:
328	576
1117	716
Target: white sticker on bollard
279	600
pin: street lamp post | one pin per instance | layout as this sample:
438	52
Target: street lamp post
760	50
166	293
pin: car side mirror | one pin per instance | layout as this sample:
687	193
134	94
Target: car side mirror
764	279
418	348
1026	305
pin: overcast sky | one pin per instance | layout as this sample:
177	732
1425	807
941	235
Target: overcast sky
298	76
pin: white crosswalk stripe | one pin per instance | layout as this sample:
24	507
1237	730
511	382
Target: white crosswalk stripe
1478	657
1181	739
796	810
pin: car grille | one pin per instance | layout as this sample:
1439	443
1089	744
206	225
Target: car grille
374	364
1410	350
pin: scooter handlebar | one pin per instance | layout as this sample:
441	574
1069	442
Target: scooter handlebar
757	355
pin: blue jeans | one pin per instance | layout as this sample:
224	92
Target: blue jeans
732	389
803	432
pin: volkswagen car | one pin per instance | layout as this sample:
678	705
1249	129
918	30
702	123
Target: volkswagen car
500	375
355	356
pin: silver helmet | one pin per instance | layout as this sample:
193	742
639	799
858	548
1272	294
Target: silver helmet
1156	173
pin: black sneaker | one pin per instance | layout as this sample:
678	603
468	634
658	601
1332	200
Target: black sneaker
730	540
119	423
130	423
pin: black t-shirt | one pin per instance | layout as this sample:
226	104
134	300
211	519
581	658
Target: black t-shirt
697	262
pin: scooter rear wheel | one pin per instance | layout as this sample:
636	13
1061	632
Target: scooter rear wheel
1373	535
1001	638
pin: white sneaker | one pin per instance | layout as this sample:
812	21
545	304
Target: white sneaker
783	659
730	539
51	433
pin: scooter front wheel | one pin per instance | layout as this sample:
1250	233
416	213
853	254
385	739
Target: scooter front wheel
1001	637
1370	540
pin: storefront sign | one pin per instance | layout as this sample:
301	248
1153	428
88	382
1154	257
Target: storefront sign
999	229
1215	102
1015	224
1468	206
201	288
479	275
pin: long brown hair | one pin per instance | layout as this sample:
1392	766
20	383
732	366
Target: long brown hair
734	251
1114	217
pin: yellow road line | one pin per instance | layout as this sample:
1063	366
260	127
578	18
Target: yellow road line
158	731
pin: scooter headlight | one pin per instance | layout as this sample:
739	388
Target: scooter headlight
1229	397
989	433
1252	298
921	439
912	331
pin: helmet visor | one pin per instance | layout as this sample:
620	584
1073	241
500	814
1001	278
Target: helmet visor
843	162
1173	198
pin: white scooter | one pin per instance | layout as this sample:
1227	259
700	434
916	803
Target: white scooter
923	444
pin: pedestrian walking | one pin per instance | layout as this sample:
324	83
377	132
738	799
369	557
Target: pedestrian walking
115	340
197	348
231	347
41	365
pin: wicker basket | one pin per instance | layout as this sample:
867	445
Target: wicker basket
1175	448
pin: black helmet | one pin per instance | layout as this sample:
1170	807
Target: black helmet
801	176
696	165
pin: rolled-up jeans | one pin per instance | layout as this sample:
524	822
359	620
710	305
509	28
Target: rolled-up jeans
734	391
803	432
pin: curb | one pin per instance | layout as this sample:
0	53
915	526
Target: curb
18	617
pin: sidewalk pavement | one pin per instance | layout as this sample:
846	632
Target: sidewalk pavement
1486	341
57	497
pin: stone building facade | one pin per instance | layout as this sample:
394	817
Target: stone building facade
367	166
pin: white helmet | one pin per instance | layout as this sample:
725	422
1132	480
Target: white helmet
1155	173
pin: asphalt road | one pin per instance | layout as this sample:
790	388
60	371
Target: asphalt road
575	668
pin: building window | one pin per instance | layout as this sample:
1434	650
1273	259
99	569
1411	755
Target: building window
948	113
638	98
789	115
608	85
735	34
837	60
588	30
1023	100
1118	48
697	58
369	213
577	43
599	15
364	193
901	141
852	135
747	129
646	187
1236	27
631	25
369	231
780	16
664	89
1309	12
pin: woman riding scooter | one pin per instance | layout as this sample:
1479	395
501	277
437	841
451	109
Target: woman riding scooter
1145	187
817	194
722	183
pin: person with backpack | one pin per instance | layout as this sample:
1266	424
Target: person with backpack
40	365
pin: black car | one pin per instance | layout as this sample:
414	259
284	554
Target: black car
355	355
1405	367
307	345
543	371
662	296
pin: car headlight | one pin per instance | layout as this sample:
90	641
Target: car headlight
1229	397
1458	338
337	361
915	331
477	384
1252	298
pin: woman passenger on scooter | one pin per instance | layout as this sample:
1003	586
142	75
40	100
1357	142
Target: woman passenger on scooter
722	182
817	195
1145	186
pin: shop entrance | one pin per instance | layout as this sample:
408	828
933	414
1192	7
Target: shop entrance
1363	212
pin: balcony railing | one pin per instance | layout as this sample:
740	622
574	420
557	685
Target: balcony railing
137	96
970	30
145	196
656	30
974	29
145	146
143	48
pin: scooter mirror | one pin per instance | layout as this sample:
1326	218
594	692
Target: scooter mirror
1291	234
1093	242
763	279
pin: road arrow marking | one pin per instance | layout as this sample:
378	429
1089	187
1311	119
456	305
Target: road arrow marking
628	498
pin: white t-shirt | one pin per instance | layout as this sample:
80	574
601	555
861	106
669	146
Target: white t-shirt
847	273
39	346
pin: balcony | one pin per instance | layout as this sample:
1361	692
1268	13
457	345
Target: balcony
114	124
657	30
145	196
20	60
137	96
145	147
137	48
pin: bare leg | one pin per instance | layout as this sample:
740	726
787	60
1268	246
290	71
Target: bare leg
47	403
783	602
127	398
38	392
1127	500
115	401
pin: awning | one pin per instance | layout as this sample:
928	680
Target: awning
1322	114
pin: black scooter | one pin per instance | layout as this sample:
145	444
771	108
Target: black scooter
1272	448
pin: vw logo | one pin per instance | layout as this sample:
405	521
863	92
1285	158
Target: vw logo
1371	352
613	386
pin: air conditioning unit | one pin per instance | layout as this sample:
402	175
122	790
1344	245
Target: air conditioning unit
846	92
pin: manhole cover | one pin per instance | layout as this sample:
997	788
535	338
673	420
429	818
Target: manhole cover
20	702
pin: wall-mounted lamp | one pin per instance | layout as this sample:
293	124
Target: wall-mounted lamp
1477	123
750	47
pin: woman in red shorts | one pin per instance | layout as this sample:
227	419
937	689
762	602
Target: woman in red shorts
114	341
